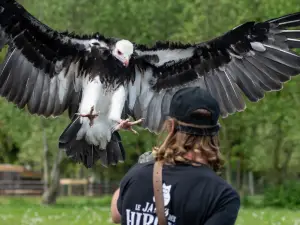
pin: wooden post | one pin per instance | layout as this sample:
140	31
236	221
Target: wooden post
85	189
69	189
251	183
238	174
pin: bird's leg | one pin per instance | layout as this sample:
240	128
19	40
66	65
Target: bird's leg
127	125
90	116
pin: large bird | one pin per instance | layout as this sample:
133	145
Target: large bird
102	80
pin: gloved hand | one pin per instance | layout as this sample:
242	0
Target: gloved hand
146	157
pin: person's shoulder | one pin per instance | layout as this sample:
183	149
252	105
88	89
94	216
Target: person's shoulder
138	170
223	184
216	182
227	194
141	166
225	189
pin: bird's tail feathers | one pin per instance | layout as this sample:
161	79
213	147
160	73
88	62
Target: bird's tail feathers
82	152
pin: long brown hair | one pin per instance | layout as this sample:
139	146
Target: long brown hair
177	144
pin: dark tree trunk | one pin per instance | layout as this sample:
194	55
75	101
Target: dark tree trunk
227	155
46	156
276	154
49	197
244	186
251	183
238	173
283	168
228	166
288	156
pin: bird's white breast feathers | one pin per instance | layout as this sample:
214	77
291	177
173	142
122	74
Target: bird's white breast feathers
109	106
117	103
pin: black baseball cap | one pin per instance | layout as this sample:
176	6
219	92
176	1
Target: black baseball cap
187	100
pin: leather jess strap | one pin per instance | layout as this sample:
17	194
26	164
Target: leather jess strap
158	193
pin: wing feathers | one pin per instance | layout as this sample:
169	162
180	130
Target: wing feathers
22	83
5	68
210	81
165	107
256	68
288	33
35	97
144	101
154	112
275	70
293	43
43	67
32	76
285	18
53	90
44	95
280	66
25	71
247	83
282	56
232	90
251	59
8	77
15	83
56	101
228	104
137	111
293	23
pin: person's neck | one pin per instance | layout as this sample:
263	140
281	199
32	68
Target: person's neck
195	157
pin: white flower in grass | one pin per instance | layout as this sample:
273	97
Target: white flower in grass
37	220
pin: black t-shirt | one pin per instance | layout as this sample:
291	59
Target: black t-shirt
193	195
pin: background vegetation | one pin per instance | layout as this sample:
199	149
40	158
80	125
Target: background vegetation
260	145
86	211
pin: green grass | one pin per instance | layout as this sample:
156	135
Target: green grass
93	210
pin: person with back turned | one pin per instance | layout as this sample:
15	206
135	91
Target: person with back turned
193	193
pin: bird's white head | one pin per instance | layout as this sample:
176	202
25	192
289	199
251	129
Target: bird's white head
123	51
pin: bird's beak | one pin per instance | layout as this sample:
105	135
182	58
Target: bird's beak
126	62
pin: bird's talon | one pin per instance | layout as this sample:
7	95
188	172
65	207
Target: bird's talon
127	125
90	116
135	132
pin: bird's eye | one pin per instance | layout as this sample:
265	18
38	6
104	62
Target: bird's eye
119	53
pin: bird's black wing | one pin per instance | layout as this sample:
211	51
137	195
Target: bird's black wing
251	59
43	68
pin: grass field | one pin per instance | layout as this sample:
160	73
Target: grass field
85	211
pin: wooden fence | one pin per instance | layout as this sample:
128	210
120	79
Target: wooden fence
21	187
32	187
91	189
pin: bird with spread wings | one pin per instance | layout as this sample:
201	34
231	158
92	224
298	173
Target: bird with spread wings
102	80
